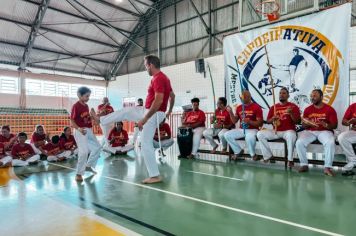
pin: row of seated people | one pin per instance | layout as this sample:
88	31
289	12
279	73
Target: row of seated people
319	121
15	151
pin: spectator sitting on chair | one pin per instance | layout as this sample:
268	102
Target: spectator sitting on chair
54	152
7	138
118	139
67	142
195	119
221	124
39	139
23	153
348	138
165	136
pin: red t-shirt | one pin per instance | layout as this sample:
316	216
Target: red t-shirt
350	113
106	109
67	144
159	84
193	117
52	149
223	117
326	114
120	138
286	122
6	141
2	149
252	111
81	116
38	137
19	151
164	130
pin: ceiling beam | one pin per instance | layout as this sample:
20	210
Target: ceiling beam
42	8
76	16
117	7
62	33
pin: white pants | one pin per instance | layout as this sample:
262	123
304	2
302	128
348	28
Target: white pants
197	136
346	139
164	143
325	137
210	133
18	162
135	135
250	139
5	160
86	144
35	149
264	135
135	114
106	131
113	150
66	154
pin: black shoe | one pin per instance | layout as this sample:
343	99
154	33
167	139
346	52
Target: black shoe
348	173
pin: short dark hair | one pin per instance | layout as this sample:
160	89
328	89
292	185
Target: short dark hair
7	127
140	99
55	139
319	91
22	134
154	60
83	90
37	127
223	100
195	100
120	122
285	89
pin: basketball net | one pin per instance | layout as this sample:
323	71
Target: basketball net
269	9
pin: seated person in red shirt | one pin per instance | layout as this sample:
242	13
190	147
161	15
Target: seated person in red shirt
196	120
7	138
165	136
54	152
104	109
221	124
39	139
5	160
23	153
319	121
67	142
118	139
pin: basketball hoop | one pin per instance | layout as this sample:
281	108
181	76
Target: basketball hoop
268	8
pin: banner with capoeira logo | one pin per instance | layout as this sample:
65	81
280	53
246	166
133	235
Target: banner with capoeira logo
304	53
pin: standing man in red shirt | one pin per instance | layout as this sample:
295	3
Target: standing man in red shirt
252	118
196	120
347	138
221	124
118	139
149	117
104	109
284	122
319	121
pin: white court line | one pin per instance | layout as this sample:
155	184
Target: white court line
220	176
222	206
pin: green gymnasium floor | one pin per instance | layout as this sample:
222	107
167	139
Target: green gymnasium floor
196	198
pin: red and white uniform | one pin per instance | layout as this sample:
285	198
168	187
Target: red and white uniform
164	131
54	152
6	141
159	84
23	155
347	138
285	129
317	115
120	140
103	110
4	158
223	119
68	143
252	112
38	141
193	117
87	144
